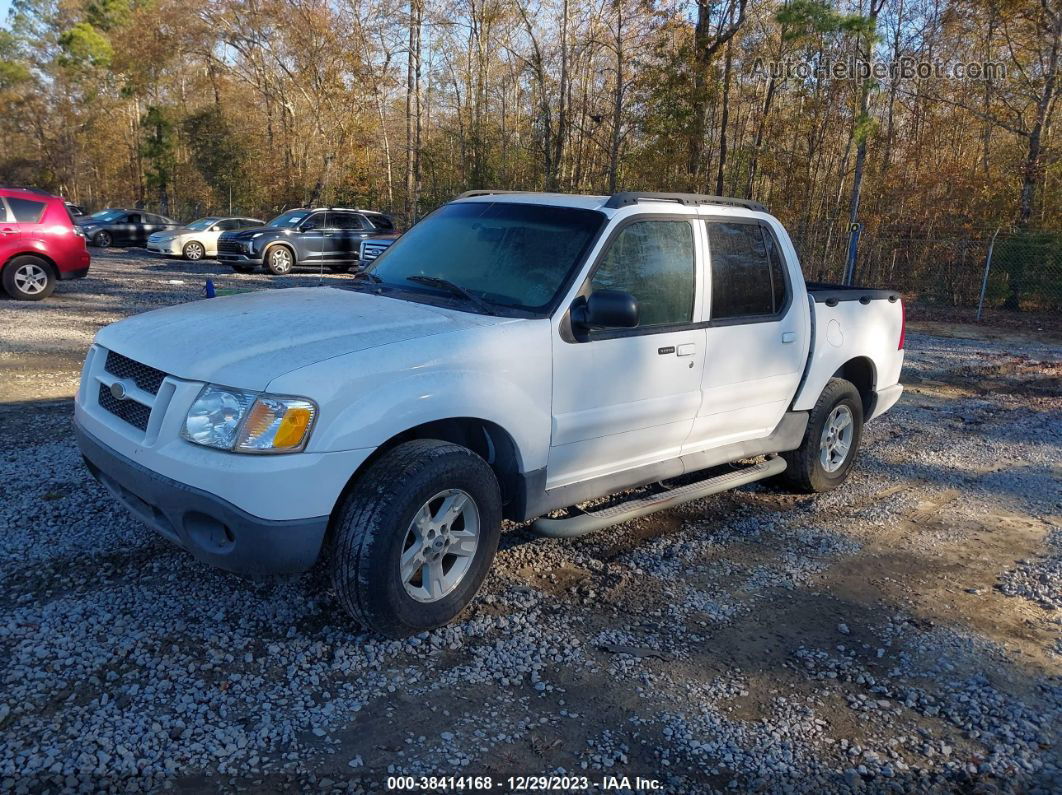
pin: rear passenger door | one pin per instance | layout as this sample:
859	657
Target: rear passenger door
757	336
347	231
9	232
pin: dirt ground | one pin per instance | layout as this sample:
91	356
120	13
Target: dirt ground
902	633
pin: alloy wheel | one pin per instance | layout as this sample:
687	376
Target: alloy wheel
31	278
836	439
440	545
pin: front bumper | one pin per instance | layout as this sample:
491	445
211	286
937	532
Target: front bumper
238	258
166	247
214	530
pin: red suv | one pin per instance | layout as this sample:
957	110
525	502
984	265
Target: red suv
39	244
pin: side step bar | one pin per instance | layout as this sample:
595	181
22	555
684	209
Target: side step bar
584	523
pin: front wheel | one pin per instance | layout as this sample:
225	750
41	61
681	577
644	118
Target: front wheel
279	260
415	538
194	251
102	240
28	278
831	441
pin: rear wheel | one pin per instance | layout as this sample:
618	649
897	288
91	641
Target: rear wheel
102	240
28	278
415	538
831	441
279	260
194	251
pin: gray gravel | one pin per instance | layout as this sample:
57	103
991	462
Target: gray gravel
753	640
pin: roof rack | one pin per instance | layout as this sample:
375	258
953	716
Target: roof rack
468	194
627	198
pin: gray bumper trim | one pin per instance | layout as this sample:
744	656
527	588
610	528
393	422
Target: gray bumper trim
214	530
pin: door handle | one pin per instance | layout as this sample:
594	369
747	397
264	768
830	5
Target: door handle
789	336
686	350
7	230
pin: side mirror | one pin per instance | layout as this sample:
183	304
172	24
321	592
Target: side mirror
309	226
606	309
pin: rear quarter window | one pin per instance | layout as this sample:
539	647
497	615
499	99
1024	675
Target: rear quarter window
26	211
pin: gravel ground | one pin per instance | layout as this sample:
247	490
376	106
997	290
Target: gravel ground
902	633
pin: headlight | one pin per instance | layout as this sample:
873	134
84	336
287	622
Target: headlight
249	422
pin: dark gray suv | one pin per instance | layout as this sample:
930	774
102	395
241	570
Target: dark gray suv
328	237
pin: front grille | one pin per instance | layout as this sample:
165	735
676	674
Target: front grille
370	250
231	246
136	414
147	378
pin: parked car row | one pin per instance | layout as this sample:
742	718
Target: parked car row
43	239
316	237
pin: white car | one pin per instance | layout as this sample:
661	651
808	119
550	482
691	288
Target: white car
198	239
511	355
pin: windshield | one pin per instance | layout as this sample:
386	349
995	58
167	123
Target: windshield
289	219
202	223
508	254
106	215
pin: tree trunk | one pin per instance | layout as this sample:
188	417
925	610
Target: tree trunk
724	118
413	128
1033	167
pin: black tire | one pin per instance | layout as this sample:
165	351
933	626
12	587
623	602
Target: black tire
102	240
28	278
805	470
193	251
371	527
279	260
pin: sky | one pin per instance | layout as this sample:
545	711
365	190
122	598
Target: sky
5	6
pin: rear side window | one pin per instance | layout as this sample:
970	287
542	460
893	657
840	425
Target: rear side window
655	262
748	279
345	221
26	211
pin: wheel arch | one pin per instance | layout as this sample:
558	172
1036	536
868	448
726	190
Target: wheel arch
487	439
31	252
274	243
862	374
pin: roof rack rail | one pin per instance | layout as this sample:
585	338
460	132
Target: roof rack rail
468	194
627	198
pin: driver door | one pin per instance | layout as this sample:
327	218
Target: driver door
313	239
624	398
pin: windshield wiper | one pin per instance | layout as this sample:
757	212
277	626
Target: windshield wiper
455	289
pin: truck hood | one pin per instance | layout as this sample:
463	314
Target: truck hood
247	340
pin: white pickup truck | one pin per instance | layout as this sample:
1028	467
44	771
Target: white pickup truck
512	355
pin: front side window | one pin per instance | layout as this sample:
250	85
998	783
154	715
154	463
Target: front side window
202	224
381	222
748	279
5	217
133	218
655	262
26	211
509	254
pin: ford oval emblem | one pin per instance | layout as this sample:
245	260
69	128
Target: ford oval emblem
119	391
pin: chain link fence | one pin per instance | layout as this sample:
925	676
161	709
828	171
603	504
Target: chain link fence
1024	274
